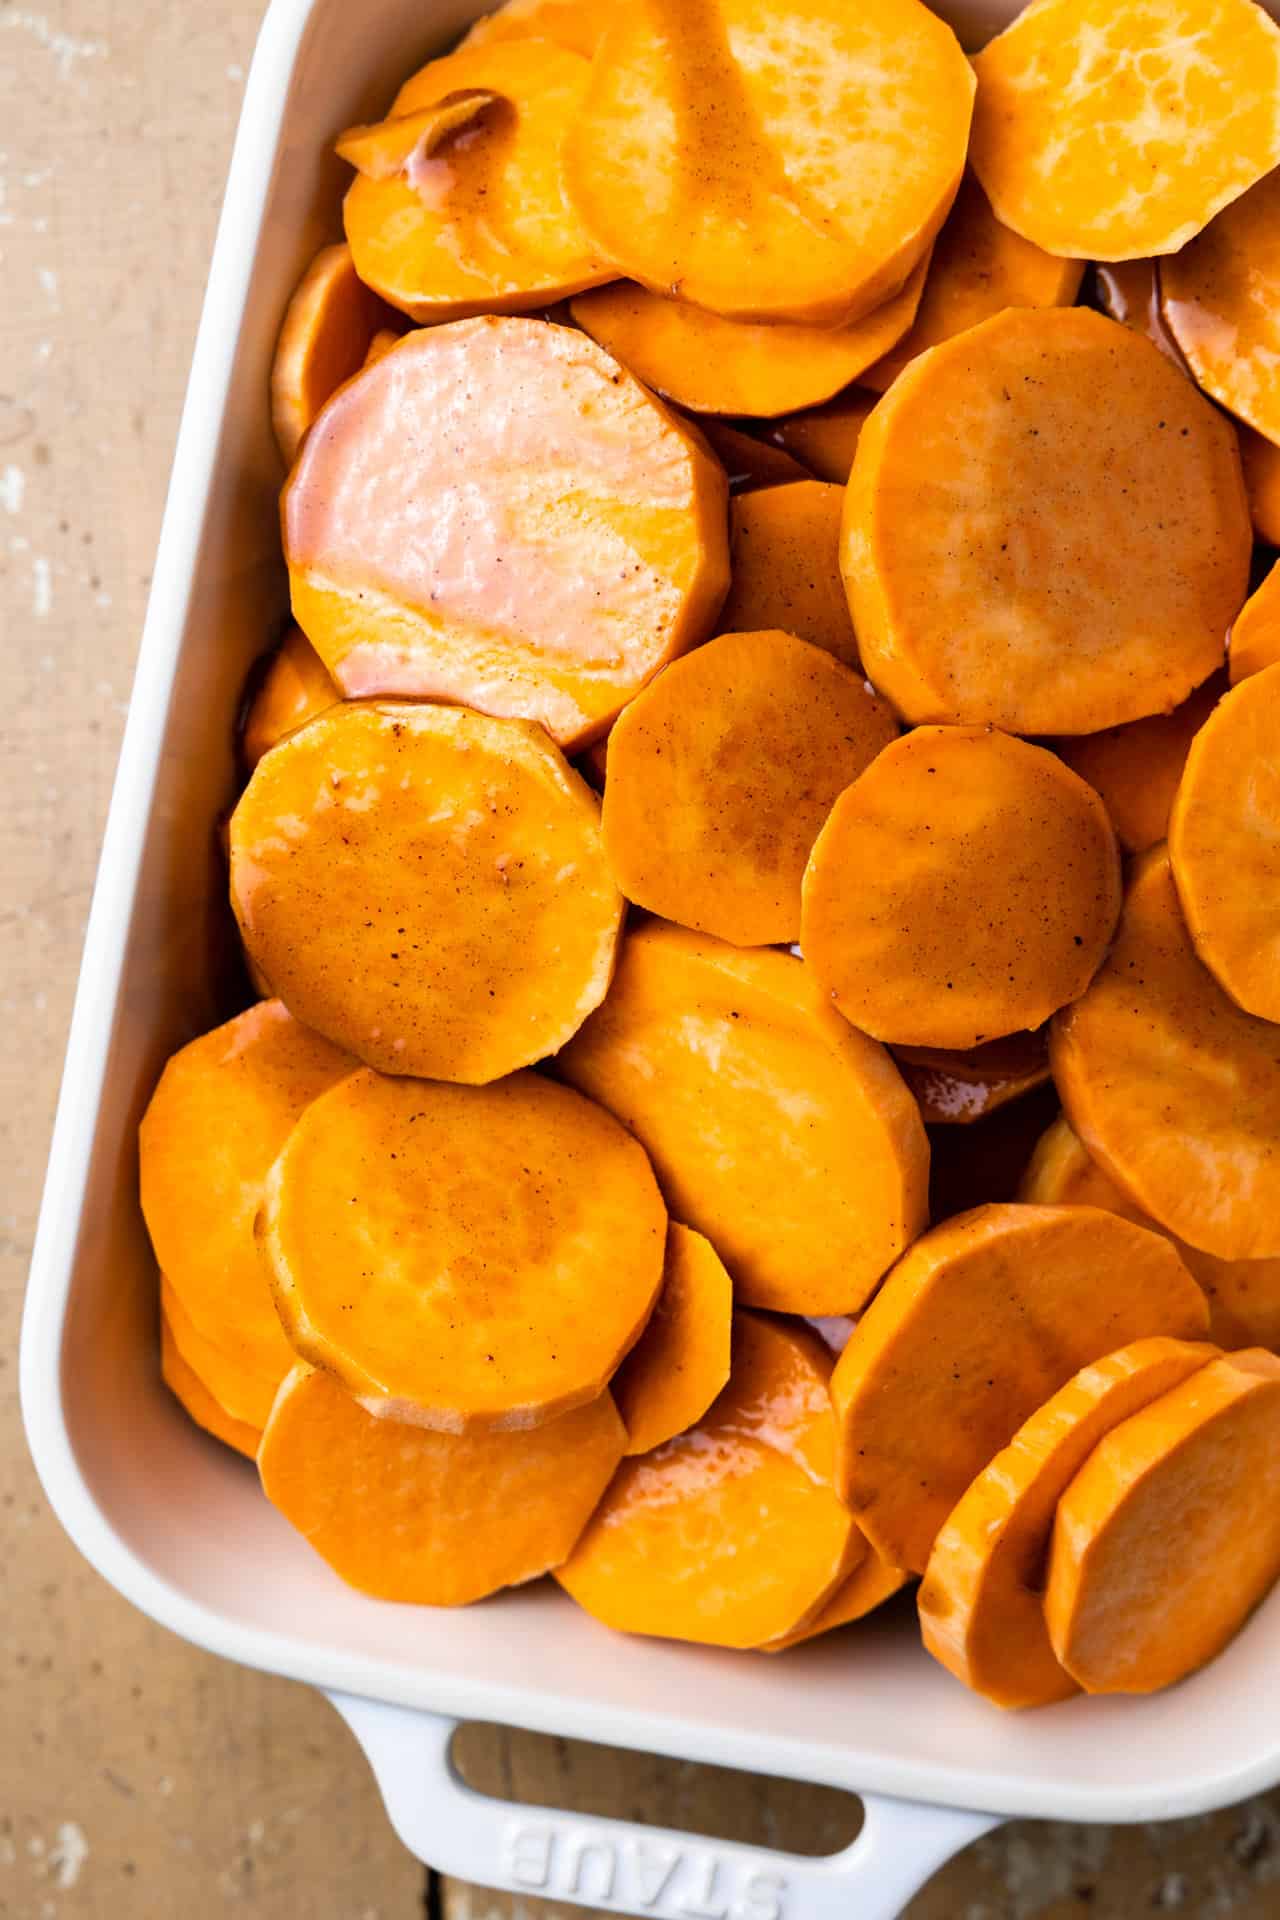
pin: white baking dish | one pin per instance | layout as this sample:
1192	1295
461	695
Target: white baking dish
177	1523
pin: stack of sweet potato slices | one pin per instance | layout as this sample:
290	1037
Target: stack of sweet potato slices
759	845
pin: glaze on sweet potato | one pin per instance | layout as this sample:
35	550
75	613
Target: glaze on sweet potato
721	773
784	555
956	1089
973	1329
681	1360
469	1259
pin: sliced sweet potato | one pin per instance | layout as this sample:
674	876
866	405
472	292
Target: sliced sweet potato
1255	637
712	365
223	1109
721	773
681	1360
243	1391
1170	1085
975	1327
295	687
790	160
382	342
784	549
979	267
979	545
955	1089
1243	1295
1111	131
1221	300
186	1386
723	1063
1169	1535
748	461
826	438
726	1535
497	514
981	1599
962	888
570	23
869	1585
459	206
1224	843
1136	767
432	1519
426	886
1260	459
441	1249
327	329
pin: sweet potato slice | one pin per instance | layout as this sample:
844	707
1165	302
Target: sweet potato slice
712	365
459	207
1170	1085
187	1387
729	1535
1136	768
440	1249
223	1109
708	1054
1224	843
721	773
1109	129
1169	1535
979	267
295	687
1221	302
327	329
681	1360
869	1585
981	1599
962	888
826	438
570	23
426	886
1255	637
955	1089
782	160
750	462
244	1392
979	546
382	342
1243	1295
497	514
975	1327
432	1519
784	550
1260	459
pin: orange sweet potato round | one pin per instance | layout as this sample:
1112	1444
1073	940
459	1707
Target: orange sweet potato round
726	1535
956	1089
495	513
979	267
1224	843
432	1519
1170	1085
1260	459
981	1599
826	438
980	550
220	1114
187	1387
1111	131
962	888
1221	301
570	23
1255	637
771	159
713	365
846	1192
241	1385
460	209
749	462
426	886
294	688
975	1327
1169	1535
1243	1295
721	773
1136	768
327	330
870	1584
681	1360
784	552
441	1249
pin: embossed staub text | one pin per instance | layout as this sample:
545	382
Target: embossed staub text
687	1881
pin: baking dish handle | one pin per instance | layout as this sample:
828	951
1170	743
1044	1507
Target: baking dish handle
628	1868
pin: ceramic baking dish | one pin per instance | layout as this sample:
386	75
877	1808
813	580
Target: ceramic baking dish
176	1522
